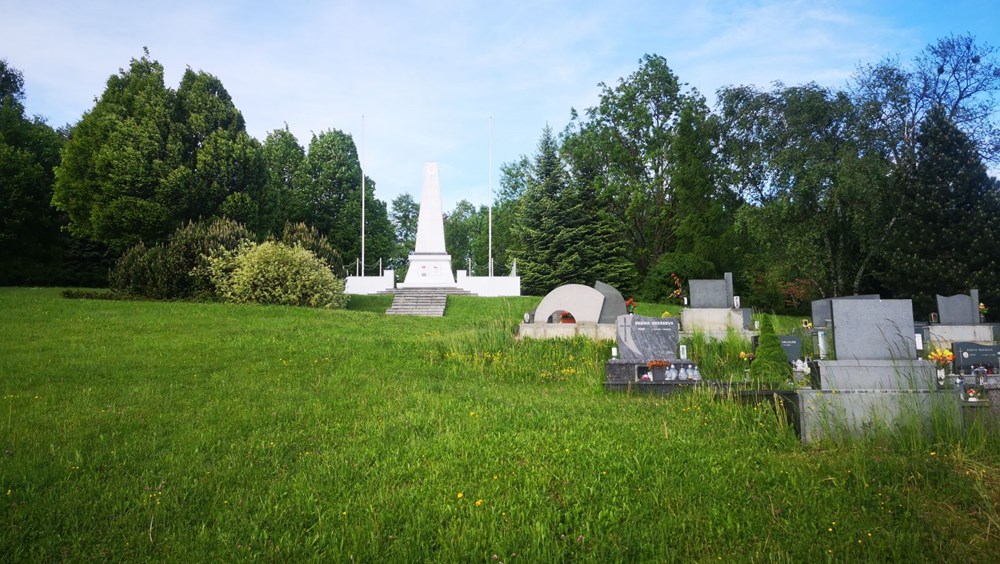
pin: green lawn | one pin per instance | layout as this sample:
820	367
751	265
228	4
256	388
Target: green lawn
200	432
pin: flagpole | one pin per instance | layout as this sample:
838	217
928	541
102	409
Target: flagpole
362	163
490	253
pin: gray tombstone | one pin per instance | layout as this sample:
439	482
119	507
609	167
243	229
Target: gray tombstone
821	311
614	303
969	355
960	309
792	345
643	338
873	330
712	293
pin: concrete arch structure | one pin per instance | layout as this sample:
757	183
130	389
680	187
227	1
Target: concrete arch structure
582	302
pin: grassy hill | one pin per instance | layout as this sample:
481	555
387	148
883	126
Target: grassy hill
183	431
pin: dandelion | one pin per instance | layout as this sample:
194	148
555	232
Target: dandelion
479	503
460	495
933	453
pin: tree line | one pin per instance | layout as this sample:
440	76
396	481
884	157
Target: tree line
801	191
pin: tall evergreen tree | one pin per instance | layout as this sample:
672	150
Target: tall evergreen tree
948	236
539	218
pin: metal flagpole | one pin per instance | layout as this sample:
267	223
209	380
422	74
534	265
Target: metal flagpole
490	258
362	194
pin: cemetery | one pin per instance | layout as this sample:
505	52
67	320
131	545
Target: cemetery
758	331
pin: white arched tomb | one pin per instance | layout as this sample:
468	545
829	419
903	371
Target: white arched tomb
582	302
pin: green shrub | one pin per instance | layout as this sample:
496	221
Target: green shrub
175	269
275	273
311	239
771	366
139	272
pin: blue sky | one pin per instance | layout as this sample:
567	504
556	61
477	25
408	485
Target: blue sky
428	74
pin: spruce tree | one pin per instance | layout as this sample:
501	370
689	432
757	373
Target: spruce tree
948	237
540	220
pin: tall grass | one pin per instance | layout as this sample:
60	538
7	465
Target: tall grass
179	431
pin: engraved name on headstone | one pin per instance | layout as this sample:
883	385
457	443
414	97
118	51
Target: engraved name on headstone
643	338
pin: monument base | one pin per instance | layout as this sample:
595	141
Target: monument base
627	375
716	322
827	414
593	331
840	375
943	336
429	270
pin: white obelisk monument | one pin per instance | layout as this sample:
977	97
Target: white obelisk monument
430	264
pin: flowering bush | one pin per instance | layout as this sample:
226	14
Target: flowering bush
274	273
941	357
747	356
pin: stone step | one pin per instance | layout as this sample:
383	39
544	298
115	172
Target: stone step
423	301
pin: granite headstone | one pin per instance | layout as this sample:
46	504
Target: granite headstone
960	309
792	345
642	339
821	311
712	293
969	355
614	303
873	330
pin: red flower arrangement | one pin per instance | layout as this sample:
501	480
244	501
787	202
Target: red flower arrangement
630	305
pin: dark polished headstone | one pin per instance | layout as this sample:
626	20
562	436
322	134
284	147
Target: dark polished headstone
792	345
643	338
969	355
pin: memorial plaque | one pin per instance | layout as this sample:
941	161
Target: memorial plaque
643	338
970	355
792	345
